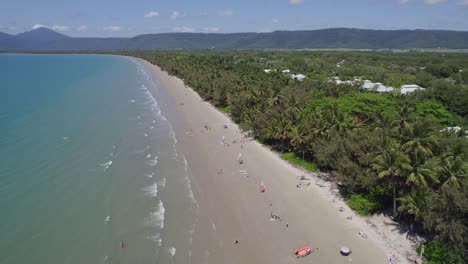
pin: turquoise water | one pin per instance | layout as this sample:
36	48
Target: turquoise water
87	160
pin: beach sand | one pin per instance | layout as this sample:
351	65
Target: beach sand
232	207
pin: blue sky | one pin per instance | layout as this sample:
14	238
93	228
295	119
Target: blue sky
126	18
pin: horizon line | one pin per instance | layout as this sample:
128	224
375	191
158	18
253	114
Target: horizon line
245	32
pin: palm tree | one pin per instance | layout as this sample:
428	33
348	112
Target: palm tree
385	124
391	164
292	107
421	136
317	124
284	129
422	169
453	170
403	119
300	138
413	203
274	99
280	131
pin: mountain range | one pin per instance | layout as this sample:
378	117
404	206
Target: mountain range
47	40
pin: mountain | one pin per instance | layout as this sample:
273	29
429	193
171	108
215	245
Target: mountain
41	34
38	39
7	41
43	39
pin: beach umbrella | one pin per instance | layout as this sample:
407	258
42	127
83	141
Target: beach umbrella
345	251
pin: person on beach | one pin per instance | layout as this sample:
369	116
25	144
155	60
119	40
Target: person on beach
410	231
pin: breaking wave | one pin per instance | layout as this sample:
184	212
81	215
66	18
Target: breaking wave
157	216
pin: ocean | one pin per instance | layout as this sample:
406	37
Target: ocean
88	159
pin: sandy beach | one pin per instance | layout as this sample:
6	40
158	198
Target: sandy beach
268	225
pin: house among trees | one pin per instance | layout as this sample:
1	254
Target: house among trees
377	87
298	76
409	88
337	80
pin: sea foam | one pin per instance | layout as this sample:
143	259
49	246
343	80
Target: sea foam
156	238
162	183
107	165
150	175
172	251
157	216
152	190
153	162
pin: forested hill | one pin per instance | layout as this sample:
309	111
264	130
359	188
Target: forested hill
43	39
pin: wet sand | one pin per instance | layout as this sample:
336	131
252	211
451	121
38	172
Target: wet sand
231	206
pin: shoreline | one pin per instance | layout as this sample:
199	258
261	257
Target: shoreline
232	206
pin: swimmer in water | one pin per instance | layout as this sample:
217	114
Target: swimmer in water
122	245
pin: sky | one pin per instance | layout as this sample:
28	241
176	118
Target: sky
127	18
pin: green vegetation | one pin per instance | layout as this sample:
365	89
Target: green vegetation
438	253
363	205
226	109
389	151
291	157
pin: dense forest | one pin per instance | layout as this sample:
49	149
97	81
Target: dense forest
388	152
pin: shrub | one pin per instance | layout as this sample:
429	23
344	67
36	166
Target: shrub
439	253
363	205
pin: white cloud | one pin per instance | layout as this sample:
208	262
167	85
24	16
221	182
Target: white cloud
274	21
225	13
402	2
296	2
112	28
82	28
184	29
433	2
152	14
211	29
36	26
177	14
60	28
463	3
7	28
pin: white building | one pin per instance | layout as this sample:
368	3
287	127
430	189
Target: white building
298	77
454	130
368	85
337	80
409	88
377	87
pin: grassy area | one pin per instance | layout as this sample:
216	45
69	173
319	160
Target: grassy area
226	109
363	205
292	158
